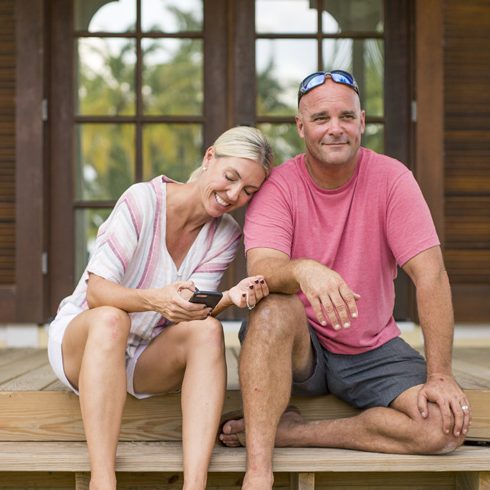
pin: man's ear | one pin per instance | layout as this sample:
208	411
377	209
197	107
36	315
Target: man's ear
299	125
363	121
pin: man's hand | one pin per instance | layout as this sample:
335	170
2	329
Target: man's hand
443	390
332	299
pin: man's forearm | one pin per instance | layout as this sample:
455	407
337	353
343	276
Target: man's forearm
282	276
437	322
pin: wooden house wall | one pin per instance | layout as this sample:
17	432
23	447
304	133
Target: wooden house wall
467	156
7	143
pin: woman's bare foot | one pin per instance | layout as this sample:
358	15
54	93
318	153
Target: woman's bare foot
233	430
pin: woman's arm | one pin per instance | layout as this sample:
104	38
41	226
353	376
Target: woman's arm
170	301
247	293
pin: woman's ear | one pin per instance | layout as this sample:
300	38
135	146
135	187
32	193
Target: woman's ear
208	156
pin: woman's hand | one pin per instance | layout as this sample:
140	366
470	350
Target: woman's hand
172	302
248	292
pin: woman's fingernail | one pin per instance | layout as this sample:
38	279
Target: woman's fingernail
262	281
251	286
244	295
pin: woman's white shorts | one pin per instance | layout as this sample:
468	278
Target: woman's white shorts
56	332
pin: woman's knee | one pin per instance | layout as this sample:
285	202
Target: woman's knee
206	334
110	326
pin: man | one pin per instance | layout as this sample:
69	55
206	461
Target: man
327	231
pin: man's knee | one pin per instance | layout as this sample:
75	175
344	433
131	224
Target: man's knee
278	315
430	438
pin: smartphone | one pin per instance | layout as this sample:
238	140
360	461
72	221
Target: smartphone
208	298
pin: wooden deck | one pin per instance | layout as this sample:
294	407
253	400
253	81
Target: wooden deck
35	405
38	415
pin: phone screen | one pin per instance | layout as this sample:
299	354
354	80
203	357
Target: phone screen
208	298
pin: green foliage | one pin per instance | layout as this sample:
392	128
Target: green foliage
172	85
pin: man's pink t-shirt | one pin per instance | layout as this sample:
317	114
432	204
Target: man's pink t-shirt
361	230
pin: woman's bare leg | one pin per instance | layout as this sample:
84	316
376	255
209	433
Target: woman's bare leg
94	347
191	355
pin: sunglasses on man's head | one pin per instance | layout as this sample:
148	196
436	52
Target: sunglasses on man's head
316	79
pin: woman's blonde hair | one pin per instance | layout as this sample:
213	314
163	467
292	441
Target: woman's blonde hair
241	142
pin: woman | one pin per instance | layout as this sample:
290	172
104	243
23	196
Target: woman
129	327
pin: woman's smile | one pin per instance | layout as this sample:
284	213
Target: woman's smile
221	201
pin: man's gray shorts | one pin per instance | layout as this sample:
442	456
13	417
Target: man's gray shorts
371	379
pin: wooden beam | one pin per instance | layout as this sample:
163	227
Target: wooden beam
62	133
29	150
55	415
474	480
429	87
302	481
82	481
167	456
215	70
7	304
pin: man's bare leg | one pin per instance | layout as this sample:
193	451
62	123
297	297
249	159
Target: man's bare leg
277	342
399	430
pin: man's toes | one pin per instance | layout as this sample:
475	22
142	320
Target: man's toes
229	440
234	426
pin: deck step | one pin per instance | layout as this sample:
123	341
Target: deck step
167	456
55	416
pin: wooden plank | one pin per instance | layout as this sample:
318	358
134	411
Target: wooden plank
480	414
473	481
55	416
429	131
82	481
384	480
472	366
302	481
7	153
62	150
33	380
11	355
39	480
167	456
21	366
471	301
30	206
476	373
56	385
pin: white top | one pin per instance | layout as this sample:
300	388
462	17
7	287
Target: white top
130	250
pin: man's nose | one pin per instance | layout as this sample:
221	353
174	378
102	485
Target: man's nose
334	126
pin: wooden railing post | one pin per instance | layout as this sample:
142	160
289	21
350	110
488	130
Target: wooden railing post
474	480
82	481
302	481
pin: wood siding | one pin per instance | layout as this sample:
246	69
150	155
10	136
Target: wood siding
458	188
7	143
467	156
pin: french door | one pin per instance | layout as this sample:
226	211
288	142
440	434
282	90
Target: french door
142	87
